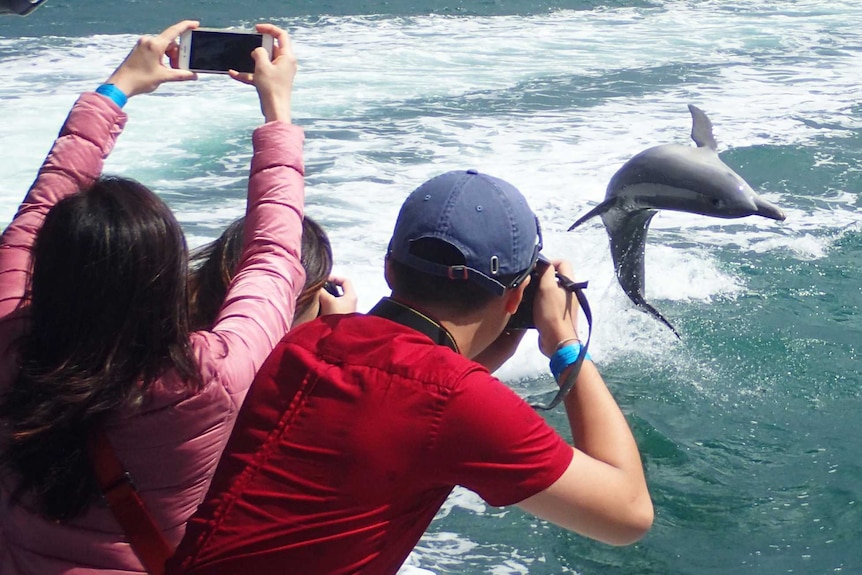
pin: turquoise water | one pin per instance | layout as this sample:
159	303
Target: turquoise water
748	424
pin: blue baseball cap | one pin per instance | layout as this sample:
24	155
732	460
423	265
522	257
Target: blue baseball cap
485	218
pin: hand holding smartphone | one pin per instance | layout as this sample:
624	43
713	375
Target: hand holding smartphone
214	51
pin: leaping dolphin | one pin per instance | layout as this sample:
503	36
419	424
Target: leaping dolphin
20	7
670	177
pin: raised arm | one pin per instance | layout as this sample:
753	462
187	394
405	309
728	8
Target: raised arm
78	154
261	300
603	493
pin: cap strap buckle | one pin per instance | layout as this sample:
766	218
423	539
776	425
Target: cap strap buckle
458	273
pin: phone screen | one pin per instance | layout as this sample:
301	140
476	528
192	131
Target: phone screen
223	51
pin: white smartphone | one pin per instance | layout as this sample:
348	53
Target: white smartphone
216	51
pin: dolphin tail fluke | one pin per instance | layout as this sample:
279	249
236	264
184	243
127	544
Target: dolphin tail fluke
701	129
628	240
596	211
655	313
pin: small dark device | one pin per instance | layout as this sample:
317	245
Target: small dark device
333	289
523	316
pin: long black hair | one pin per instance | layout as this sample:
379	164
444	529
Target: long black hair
109	315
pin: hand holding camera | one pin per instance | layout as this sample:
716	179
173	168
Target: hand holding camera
555	310
549	305
553	306
523	317
338	296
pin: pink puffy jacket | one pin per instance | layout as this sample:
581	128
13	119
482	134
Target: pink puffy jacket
172	446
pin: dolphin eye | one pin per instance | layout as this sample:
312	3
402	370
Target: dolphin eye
716	202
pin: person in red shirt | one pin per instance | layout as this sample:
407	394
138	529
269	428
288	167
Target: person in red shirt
358	426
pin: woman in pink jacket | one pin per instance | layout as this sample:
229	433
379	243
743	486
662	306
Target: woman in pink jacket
94	326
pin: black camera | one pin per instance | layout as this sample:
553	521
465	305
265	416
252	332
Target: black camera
333	288
523	316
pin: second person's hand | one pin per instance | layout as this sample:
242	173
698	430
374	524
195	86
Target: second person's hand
345	303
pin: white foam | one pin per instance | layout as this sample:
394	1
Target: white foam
441	550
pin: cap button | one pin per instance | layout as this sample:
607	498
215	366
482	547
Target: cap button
473	171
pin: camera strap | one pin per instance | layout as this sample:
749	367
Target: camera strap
407	316
566	386
414	319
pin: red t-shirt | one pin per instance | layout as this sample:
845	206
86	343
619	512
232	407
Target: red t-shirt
353	434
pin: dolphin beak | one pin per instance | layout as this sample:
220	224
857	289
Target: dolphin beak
768	210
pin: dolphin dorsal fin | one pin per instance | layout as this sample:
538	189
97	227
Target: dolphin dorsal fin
701	128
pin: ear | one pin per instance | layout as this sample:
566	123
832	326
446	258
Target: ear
514	296
310	313
386	272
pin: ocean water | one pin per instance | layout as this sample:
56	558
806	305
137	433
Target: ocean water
749	424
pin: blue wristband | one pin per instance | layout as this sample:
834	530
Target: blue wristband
113	93
564	357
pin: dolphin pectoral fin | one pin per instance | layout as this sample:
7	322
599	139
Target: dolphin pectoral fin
628	234
701	128
596	211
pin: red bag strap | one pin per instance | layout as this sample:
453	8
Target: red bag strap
146	539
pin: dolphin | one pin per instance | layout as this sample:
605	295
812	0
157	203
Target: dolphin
20	7
670	177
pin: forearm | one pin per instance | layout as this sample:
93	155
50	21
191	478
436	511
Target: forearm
600	429
261	301
74	162
598	426
276	197
603	492
504	347
75	159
